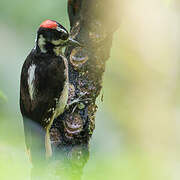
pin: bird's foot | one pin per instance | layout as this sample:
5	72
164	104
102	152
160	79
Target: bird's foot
77	101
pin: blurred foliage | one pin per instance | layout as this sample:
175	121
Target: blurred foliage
29	14
2	96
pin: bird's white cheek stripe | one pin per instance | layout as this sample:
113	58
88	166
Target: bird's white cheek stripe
41	43
58	42
31	79
58	50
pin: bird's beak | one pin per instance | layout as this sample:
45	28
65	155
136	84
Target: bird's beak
72	42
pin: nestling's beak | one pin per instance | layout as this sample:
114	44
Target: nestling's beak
72	42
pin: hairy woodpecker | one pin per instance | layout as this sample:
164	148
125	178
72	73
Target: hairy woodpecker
44	82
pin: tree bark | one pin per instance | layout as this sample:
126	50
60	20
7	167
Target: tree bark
93	23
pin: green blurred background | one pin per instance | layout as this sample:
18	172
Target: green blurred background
137	125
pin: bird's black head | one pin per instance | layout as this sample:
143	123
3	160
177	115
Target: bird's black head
52	37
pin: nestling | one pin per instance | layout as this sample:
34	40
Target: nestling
44	81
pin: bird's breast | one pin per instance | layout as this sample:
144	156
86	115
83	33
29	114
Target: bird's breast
62	101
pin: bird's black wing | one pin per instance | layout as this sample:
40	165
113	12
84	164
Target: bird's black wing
48	85
25	104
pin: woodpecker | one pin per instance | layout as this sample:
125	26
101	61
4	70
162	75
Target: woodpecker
44	82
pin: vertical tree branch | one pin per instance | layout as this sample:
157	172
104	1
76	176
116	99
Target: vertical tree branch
93	23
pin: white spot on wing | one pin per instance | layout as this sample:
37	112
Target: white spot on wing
31	79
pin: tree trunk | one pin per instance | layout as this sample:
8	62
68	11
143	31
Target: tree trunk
92	24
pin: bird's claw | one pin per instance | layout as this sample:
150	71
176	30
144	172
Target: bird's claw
77	100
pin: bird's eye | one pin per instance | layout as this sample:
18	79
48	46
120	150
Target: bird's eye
64	36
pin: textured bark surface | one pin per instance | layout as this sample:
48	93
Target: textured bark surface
92	23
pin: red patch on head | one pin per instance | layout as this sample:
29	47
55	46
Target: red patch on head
49	24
